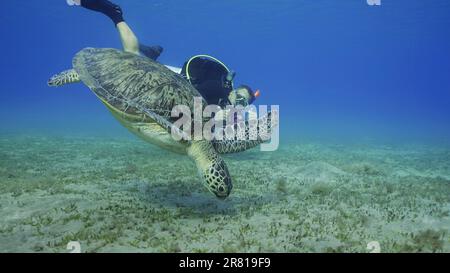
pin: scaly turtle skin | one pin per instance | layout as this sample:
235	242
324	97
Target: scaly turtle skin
140	93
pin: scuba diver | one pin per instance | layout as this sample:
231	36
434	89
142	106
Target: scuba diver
208	75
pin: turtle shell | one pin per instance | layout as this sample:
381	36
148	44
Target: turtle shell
130	83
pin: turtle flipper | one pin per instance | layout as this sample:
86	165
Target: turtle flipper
210	165
63	78
176	132
211	168
243	143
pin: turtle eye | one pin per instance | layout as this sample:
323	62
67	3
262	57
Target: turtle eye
221	189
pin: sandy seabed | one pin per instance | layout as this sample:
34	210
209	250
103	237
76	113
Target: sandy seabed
124	195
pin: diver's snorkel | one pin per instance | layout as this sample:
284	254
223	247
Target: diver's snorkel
243	96
257	93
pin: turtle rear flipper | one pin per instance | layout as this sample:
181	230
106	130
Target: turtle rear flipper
63	78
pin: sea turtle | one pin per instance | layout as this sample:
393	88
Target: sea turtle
140	93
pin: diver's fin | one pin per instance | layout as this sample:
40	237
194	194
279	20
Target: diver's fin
108	8
63	78
151	52
248	140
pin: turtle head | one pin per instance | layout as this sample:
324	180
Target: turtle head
212	168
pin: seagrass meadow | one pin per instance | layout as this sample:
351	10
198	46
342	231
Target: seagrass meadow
123	195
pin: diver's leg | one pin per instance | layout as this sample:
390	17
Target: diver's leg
129	40
151	52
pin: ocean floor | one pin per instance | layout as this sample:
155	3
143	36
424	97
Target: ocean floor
124	195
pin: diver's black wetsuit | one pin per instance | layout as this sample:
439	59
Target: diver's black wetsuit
208	78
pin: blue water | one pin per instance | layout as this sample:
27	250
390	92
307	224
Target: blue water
340	70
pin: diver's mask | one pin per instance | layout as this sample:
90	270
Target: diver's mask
240	96
242	101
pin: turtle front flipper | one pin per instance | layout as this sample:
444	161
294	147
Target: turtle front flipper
211	168
63	78
248	141
210	165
